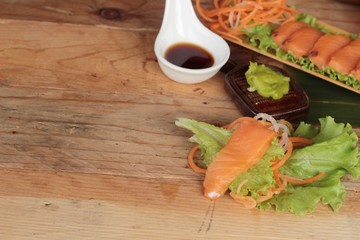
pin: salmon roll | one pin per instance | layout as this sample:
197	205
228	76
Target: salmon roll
325	47
285	30
345	59
302	41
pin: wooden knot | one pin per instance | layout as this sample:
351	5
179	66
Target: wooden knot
111	13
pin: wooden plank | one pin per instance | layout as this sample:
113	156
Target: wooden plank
57	205
140	14
75	107
336	13
147	15
67	68
88	145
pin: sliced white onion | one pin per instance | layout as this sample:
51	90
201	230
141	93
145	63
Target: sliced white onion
268	118
231	20
284	128
284	137
235	24
284	141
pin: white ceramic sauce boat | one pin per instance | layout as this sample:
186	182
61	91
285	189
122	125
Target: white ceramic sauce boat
181	25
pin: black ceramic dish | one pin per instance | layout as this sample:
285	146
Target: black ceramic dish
291	106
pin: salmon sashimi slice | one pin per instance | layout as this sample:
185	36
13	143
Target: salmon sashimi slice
246	146
345	59
302	41
325	47
285	30
356	71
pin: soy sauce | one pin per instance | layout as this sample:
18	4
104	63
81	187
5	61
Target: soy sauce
189	55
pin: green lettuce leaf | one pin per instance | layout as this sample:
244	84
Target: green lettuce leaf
334	152
304	199
259	178
335	147
209	137
260	36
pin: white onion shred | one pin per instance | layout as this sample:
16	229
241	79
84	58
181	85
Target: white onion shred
284	128
284	141
237	14
284	134
235	24
270	119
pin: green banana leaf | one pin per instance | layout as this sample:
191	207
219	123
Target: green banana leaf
328	99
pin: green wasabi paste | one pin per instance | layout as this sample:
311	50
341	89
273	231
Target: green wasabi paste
267	82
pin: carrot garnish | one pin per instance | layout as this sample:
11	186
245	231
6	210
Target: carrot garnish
287	155
301	181
277	178
266	197
288	124
229	18
247	201
300	141
192	163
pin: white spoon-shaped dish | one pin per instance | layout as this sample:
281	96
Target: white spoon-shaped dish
181	25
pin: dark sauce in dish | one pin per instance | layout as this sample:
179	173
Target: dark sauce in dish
188	55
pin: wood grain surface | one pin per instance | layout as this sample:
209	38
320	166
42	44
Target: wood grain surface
88	144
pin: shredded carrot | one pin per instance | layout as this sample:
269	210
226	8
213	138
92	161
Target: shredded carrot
302	181
288	124
275	167
300	141
229	18
277	178
281	187
266	197
287	155
247	201
192	163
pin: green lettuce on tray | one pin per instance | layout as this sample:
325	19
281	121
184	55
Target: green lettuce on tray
259	36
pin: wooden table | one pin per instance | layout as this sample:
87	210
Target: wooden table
88	145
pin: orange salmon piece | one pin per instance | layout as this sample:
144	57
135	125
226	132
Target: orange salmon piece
345	59
356	71
285	30
325	47
302	41
247	145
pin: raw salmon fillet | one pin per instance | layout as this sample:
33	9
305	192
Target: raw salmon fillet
247	145
285	30
302	41
325	47
345	59
356	71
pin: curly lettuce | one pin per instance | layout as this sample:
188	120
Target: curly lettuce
334	152
209	137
